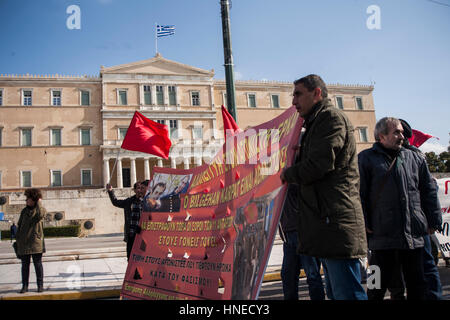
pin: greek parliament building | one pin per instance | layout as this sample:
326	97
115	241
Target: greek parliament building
64	132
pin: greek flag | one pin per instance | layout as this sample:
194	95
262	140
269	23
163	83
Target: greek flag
164	31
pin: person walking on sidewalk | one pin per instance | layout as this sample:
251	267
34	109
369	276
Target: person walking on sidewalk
132	208
331	222
13	231
30	238
399	202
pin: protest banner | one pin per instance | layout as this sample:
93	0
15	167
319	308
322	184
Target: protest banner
444	198
207	232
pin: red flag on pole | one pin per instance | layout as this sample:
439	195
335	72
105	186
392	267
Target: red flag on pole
418	138
145	135
228	122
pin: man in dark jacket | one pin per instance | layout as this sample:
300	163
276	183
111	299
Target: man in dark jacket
132	208
331	223
399	202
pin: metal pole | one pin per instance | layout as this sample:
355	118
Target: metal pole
228	57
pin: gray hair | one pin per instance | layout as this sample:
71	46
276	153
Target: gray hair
382	126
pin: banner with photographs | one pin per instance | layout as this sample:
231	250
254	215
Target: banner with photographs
444	199
207	232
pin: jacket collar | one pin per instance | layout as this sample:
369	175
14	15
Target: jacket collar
379	149
315	110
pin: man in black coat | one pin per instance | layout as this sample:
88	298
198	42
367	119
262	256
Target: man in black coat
132	208
400	206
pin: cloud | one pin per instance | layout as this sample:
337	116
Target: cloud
237	75
433	146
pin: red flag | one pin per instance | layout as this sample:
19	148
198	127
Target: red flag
418	138
147	136
228	122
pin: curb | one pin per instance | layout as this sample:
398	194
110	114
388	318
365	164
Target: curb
102	294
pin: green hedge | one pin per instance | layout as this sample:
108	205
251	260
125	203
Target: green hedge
53	232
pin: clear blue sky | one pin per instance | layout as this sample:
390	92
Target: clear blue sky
408	59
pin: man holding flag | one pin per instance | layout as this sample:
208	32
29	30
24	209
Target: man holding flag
143	135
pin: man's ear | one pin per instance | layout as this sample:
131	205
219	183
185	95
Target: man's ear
317	94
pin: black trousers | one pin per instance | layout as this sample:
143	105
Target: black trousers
130	241
38	268
395	263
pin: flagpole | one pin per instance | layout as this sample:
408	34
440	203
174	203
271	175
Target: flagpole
156	38
114	167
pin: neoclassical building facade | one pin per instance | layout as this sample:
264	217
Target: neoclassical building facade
65	132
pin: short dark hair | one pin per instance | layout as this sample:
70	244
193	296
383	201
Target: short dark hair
34	194
313	81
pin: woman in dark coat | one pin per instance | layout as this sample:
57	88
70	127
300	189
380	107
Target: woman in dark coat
30	238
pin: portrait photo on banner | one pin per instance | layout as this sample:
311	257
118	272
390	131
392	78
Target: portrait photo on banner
164	192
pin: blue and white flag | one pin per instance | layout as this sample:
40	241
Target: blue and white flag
164	31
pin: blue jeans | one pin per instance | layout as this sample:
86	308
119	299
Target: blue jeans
432	278
343	279
290	271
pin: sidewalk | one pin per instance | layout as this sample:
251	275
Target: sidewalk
91	273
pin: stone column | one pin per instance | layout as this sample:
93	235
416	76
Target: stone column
106	175
160	163
133	171
186	163
146	169
173	163
153	94
119	174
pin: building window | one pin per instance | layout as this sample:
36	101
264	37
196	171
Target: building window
359	103
122	95
25	179
122	133
1	97
25	137
251	100
85	136
27	97
172	96
275	99
159	95
363	134
86	177
195	98
173	127
56	97
1	136
339	102
85	98
161	121
55	137
56	178
147	95
197	133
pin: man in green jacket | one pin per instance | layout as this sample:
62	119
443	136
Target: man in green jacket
331	223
